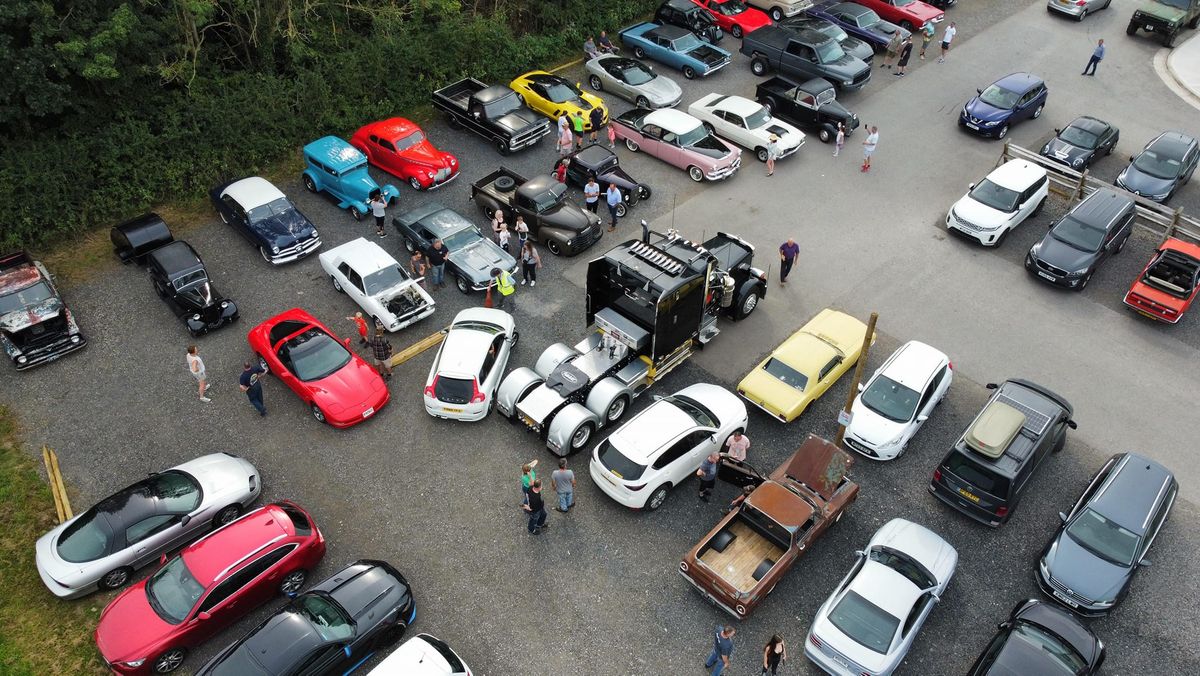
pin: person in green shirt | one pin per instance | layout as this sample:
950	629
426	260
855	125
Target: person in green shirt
926	37
577	125
528	476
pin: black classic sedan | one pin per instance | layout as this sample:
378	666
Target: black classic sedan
262	214
1038	638
596	160
1078	144
332	628
176	271
472	256
1162	167
1103	542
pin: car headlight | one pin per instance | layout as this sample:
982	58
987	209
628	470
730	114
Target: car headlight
1045	570
274	249
1045	148
74	339
224	304
891	444
429	174
315	235
848	82
992	123
453	162
134	664
1077	273
1033	250
22	359
1106	604
196	317
1078	161
571	241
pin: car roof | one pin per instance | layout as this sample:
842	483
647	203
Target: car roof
816	85
465	348
1101	207
334	153
805	352
1174	143
914	364
212	555
442	220
21	272
918	543
1019	82
1017	174
683	5
1039	407
851	8
886	588
737	105
1132	491
593	155
644	436
175	257
252	192
670	32
1090	124
492	93
672	120
393	127
363	255
782	505
542	76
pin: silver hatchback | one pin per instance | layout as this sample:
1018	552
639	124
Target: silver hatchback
1077	8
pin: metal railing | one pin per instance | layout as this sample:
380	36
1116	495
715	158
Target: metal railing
1157	219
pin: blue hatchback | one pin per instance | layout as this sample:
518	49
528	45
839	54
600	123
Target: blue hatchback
1005	102
338	168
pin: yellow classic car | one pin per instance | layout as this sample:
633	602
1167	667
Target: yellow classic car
805	365
554	96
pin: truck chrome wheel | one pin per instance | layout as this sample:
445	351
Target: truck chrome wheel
580	437
616	410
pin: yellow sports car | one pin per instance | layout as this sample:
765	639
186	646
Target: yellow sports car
554	96
805	365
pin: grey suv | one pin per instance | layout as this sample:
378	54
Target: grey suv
988	470
1098	227
1091	560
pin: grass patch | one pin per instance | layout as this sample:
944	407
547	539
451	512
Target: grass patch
39	634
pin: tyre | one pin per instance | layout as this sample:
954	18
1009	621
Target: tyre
453	121
747	305
689	72
632	145
392	635
639	52
409	246
643	193
1084	283
1195	23
505	183
501	146
581	436
1062	441
1169	40
553	246
825	135
169	661
1038	113
758	67
1003	132
1122	246
358	215
776	15
907	25
262	250
1131	28
1081	15
616	410
416	185
318	414
1003	236
657	498
1113	145
462	284
594	81
736	31
309	185
696	173
761	154
337	286
621	210
227	516
262	364
642	102
516	336
292	583
160	289
115	579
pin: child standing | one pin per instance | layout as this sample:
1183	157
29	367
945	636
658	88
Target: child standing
522	231
503	236
841	139
612	137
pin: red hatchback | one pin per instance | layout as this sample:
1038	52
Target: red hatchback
735	17
340	388
400	148
1169	284
150	627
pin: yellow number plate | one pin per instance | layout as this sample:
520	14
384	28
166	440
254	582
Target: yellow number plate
447	409
1147	314
968	495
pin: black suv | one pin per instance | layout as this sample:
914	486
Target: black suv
1098	227
989	468
689	15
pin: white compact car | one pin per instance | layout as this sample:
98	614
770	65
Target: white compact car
382	288
869	623
664	445
898	399
1013	192
469	364
422	655
746	123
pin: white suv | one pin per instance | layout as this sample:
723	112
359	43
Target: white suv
466	371
1010	194
664	445
898	399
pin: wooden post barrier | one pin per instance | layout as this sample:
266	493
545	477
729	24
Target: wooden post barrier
419	347
58	489
858	371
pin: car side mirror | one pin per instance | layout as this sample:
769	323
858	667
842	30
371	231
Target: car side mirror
1144	562
991	386
935	597
187	518
978	91
922	418
1057	130
346	649
1003	625
860	553
971	186
346	342
1131	158
861	387
1072	424
204	615
162	559
1062	516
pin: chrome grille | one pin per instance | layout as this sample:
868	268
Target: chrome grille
1073	595
441	174
1057	272
967	224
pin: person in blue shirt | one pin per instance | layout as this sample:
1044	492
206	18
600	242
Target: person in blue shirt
1097	57
249	382
718	660
613	198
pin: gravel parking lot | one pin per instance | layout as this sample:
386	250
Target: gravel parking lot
599	592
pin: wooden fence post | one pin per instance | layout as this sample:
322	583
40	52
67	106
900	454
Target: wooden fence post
1173	224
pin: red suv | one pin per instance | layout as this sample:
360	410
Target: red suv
214	581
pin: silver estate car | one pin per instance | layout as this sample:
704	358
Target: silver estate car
100	548
1077	8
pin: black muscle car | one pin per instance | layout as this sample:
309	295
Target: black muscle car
812	104
332	628
596	160
176	271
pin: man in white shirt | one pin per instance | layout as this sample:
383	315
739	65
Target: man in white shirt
737	445
869	146
947	37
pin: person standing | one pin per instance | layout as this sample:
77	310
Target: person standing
927	32
736	446
708	474
503	237
722	650
772	153
437	267
774	654
947	38
503	282
612	137
840	139
378	209
591	194
563	481
418	266
536	508
577	125
1097	57
613	198
905	53
892	49
596	117
528	476
361	325
522	230
869	146
250	382
381	351
497	222
788	251
530	262
564	135
196	367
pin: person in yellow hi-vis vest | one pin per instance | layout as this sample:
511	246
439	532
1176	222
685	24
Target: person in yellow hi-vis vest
503	282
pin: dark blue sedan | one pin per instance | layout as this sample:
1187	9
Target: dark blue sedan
1005	102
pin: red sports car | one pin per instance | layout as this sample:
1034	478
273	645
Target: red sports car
1169	284
150	627
908	14
735	17
339	387
400	148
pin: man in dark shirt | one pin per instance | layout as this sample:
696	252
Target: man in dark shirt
788	251
437	264
708	474
249	383
596	117
722	650
381	351
536	508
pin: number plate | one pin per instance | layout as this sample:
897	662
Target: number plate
1147	314
1047	275
447	409
968	495
528	421
1063	597
369	412
972	126
839	660
1149	27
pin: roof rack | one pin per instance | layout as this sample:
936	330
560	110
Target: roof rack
656	257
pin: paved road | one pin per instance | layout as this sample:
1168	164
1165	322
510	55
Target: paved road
599	592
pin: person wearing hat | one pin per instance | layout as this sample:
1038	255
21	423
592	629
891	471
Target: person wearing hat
772	153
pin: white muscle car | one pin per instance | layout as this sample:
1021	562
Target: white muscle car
746	123
381	287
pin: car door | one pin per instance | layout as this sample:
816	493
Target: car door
798	59
492	368
914	621
236	216
674	464
1164	508
671	152
324	660
929	399
354	286
652	139
827	375
153	536
283	369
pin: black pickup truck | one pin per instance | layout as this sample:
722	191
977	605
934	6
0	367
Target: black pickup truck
554	219
802	55
494	112
812	104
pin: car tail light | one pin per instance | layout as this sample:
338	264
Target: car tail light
950	365
637	487
812	638
477	397
937	475
1002	512
429	388
1080	3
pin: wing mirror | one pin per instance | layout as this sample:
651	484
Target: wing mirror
862	386
205	615
860	553
187	518
971	186
992	386
1131	158
346	342
935	597
1057	130
162	559
1003	625
1062	516
922	418
1144	563
978	91
1072	424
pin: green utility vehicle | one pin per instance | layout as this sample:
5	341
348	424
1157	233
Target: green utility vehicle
1166	17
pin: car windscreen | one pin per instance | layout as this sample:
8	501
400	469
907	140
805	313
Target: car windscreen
999	97
410	141
617	463
384	279
830	51
869	625
729	7
315	354
977	475
1177	4
902	564
1080	235
452	661
997	197
891	400
832	30
87	539
1080	138
453	390
559	92
27	297
694	136
269	210
786	374
687	43
758	118
1060	656
175	491
1104	537
458	239
173	591
502	106
189	278
637	75
1159	166
326	617
697	411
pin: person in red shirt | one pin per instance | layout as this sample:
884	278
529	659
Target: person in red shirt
361	324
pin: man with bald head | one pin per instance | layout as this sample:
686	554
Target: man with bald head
787	257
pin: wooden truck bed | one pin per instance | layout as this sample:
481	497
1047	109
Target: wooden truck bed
736	565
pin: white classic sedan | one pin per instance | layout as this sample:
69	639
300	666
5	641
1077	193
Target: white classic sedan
746	123
869	623
382	288
898	399
469	364
664	445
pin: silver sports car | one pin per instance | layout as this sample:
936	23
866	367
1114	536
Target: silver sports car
633	81
100	548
